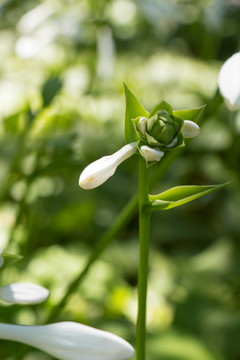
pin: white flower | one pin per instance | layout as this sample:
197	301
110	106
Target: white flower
190	129
151	154
70	341
229	82
23	293
100	170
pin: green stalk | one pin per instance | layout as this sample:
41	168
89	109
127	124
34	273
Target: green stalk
144	236
108	236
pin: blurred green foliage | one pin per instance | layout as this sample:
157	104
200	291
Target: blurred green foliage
62	107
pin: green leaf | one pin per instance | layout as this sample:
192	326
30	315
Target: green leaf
9	259
179	195
190	114
133	110
162	106
50	89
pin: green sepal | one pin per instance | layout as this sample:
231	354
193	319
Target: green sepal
162	106
9	259
179	195
133	110
180	123
190	114
180	143
153	142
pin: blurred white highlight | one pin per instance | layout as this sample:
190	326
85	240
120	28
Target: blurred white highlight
229	82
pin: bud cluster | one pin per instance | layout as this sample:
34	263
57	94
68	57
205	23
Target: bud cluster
162	131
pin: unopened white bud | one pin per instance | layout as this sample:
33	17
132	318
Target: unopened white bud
142	125
151	154
100	170
190	129
70	341
23	293
229	82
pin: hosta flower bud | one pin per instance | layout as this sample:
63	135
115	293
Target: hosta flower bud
229	82
142	125
23	293
70	341
160	130
100	170
190	129
151	154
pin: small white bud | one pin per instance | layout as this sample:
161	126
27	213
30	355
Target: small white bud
151	154
142	125
100	170
229	82
70	341
190	129
23	293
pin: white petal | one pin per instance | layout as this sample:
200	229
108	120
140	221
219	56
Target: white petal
142	125
190	129
151	154
23	293
100	170
70	341
229	82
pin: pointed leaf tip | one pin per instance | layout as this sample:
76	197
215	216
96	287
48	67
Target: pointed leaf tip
180	195
190	114
133	110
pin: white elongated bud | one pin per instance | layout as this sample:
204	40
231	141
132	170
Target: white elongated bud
190	129
151	154
23	293
100	170
70	341
229	82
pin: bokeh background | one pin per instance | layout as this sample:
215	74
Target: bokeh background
61	107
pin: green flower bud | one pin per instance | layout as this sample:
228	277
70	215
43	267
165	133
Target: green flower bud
162	130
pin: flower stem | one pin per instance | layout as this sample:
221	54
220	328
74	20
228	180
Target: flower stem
144	236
